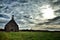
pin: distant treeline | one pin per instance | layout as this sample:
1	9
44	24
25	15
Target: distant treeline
33	30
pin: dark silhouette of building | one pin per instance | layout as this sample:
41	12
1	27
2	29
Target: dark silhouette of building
11	26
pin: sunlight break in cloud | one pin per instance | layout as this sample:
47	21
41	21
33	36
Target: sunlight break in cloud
48	12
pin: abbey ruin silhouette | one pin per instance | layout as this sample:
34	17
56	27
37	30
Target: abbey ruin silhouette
11	25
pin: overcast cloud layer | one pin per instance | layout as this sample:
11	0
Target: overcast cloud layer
29	12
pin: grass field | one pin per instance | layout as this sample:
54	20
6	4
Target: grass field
29	35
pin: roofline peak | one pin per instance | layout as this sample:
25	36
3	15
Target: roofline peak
12	17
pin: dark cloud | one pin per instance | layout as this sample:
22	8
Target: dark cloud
57	11
23	1
55	20
4	16
57	2
10	1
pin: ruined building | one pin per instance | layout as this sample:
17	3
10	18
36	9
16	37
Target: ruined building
11	26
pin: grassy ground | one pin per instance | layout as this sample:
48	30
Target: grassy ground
29	35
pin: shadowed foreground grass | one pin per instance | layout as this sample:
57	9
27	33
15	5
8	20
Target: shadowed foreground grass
29	35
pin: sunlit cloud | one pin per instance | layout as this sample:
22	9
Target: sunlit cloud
48	12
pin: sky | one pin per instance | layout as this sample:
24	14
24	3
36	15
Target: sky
28	13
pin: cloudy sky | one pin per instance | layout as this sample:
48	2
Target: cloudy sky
30	12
